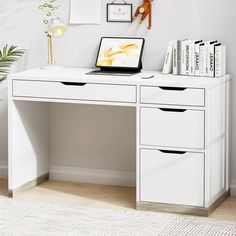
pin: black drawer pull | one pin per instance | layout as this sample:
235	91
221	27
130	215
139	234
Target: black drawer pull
73	83
172	110
172	152
172	88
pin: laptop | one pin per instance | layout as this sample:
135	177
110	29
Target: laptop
119	56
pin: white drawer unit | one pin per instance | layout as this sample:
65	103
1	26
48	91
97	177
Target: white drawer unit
75	91
172	95
171	127
172	177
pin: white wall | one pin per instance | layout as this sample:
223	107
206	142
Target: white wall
201	19
96	137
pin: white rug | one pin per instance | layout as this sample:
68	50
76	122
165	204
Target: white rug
17	218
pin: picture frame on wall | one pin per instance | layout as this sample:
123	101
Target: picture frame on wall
119	12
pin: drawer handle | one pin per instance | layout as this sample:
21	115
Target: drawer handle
172	110
172	88
172	152
73	83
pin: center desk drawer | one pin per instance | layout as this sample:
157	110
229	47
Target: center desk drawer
172	96
76	91
172	127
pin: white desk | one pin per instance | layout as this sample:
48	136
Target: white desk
182	132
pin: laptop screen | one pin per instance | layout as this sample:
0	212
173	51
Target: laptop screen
120	52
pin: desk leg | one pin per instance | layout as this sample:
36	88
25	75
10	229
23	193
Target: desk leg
138	190
28	140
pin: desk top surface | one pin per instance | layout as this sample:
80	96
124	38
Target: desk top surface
79	75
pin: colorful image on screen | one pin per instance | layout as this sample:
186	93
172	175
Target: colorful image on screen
122	52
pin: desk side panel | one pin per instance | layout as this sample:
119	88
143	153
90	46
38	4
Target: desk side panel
28	142
216	165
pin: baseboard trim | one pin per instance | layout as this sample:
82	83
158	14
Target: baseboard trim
41	179
95	176
182	209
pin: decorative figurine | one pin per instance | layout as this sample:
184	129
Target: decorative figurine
145	10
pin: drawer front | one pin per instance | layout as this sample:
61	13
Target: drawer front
173	96
76	91
172	127
172	177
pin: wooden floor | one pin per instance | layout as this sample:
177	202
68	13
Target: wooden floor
98	196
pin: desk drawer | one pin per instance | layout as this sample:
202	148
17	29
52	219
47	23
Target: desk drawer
172	96
75	91
172	127
172	177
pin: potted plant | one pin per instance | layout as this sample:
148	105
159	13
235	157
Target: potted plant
8	55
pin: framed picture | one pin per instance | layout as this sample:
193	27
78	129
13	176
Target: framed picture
119	12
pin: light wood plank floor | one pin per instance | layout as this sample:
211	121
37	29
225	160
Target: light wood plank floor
98	196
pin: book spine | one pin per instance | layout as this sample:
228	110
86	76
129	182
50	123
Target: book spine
217	62
187	58
202	60
220	61
167	68
179	43
175	57
207	45
191	57
208	48
211	61
197	59
183	57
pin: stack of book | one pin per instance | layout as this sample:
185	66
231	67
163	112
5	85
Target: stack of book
195	58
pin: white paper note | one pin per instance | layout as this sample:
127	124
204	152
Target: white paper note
85	12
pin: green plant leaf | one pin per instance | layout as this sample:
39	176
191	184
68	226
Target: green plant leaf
8	55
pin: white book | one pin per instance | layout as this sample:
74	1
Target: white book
211	59
202	59
175	48
220	60
176	57
168	63
187	57
191	57
192	44
183	57
207	46
197	59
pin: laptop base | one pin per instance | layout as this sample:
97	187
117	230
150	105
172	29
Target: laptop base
116	71
112	72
